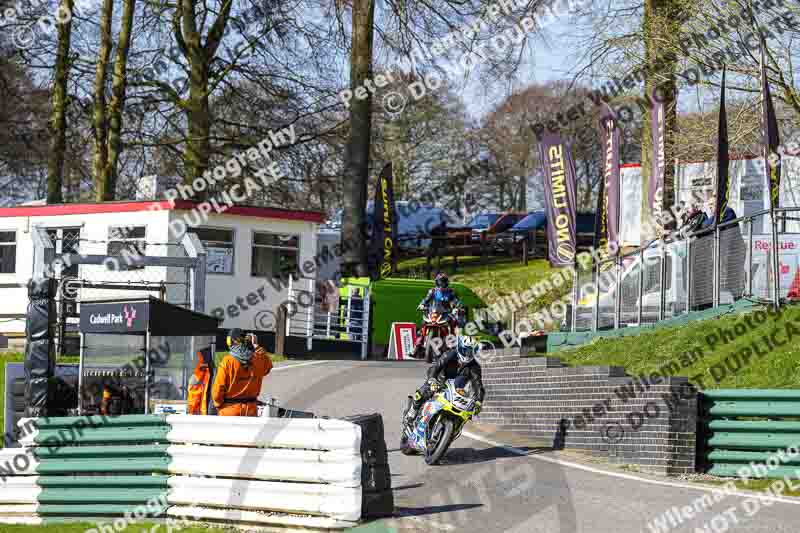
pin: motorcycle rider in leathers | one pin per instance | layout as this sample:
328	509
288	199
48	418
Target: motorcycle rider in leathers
459	364
442	293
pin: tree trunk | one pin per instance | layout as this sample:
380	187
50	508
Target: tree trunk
117	104
661	27
197	153
198	147
58	122
99	123
356	173
523	193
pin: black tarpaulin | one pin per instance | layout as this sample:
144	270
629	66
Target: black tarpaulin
137	316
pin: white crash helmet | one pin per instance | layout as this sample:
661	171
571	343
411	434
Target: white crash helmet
466	348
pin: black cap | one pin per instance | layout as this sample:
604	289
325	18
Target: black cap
236	333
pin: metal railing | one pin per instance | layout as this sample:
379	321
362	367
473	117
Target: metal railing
690	272
308	317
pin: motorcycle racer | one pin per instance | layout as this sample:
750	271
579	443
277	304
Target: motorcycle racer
444	296
458	364
441	293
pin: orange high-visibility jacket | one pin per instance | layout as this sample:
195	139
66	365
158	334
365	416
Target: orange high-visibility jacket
197	401
236	386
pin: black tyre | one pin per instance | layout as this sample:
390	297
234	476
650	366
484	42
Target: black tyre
428	352
441	435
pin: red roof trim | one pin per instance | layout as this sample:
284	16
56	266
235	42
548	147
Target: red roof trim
127	207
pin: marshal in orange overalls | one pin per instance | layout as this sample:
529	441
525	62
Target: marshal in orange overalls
236	386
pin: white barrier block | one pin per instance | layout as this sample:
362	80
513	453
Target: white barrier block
235	516
22	489
339	468
22	509
341	503
17	462
262	432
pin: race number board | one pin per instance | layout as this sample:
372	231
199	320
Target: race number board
402	339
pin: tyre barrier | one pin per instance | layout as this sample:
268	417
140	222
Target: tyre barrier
310	473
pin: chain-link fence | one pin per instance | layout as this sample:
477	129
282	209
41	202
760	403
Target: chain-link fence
755	257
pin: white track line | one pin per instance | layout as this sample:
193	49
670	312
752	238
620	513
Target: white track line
309	363
560	462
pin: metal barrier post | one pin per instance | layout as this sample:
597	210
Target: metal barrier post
574	296
641	286
750	257
310	314
365	325
663	276
347	316
596	324
715	268
688	274
776	286
618	292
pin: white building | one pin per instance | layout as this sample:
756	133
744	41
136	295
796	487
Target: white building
246	247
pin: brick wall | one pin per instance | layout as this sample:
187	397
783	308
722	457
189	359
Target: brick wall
579	408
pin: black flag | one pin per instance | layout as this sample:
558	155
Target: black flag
559	199
383	246
722	157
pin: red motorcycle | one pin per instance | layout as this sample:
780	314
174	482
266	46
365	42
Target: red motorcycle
437	323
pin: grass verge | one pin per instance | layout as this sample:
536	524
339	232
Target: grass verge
708	360
502	278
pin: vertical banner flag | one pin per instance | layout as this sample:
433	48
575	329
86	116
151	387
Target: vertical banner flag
771	137
559	195
655	189
722	157
606	224
383	246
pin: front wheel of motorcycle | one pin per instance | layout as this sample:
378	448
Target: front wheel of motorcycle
441	437
428	351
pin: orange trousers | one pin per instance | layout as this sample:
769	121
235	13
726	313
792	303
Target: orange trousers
239	409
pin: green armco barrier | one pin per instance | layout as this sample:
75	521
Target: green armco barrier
155	480
102	435
742	456
396	300
755	426
752	394
96	420
106	451
729	443
755	408
749	441
55	465
732	470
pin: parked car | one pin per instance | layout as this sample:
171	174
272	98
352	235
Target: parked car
415	222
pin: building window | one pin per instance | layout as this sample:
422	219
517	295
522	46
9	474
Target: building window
274	254
8	252
219	249
66	241
127	243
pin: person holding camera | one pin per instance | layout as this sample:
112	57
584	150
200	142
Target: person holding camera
238	382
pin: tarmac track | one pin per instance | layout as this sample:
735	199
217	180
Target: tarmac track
486	485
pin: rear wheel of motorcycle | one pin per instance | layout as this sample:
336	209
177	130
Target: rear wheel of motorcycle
441	436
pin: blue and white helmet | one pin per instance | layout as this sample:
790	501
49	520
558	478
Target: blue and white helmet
466	350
